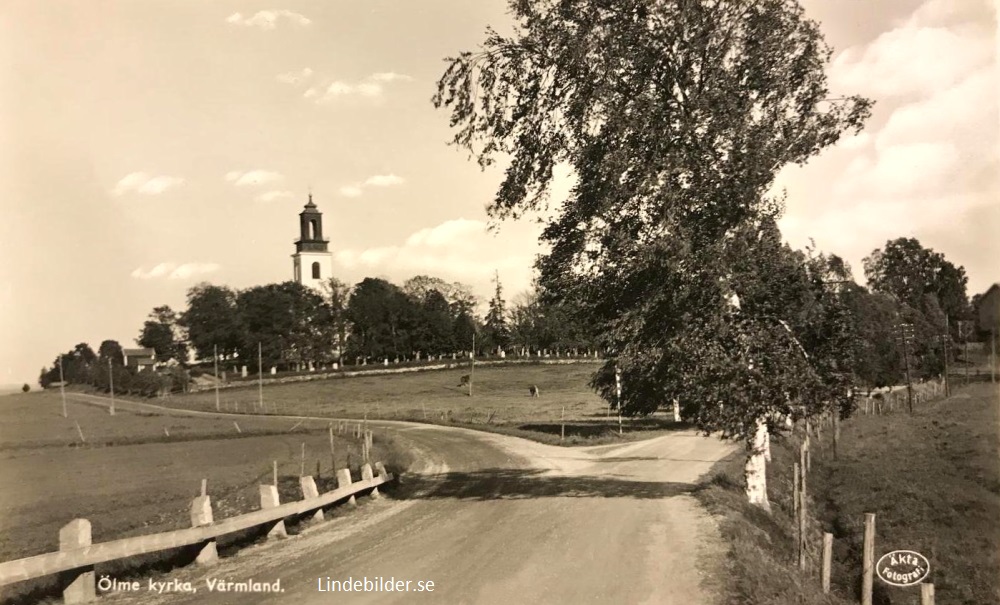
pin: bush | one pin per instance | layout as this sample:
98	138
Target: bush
25	388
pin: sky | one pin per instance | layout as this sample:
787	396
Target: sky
151	145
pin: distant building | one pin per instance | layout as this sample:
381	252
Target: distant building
312	262
140	359
988	312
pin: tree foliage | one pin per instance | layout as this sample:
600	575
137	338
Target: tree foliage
110	350
675	118
162	332
908	271
496	333
212	321
289	321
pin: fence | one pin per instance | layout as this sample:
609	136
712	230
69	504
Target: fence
873	405
77	556
897	399
376	370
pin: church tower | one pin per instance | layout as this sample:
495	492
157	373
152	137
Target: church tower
312	261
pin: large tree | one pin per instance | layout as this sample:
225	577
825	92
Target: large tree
434	330
675	118
110	350
496	333
162	333
290	322
382	320
908	271
211	320
337	294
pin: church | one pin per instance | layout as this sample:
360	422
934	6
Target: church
312	262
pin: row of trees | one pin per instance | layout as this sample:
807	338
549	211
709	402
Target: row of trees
81	365
374	320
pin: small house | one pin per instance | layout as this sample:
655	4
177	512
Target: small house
140	359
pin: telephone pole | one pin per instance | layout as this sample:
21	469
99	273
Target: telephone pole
215	357
905	335
945	341
963	332
62	387
993	355
111	382
472	368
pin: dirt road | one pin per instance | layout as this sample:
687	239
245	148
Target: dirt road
494	519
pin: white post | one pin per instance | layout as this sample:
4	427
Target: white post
260	377
215	357
62	390
111	382
618	396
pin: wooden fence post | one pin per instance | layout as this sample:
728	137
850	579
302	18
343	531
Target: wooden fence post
827	561
201	514
79	585
803	457
836	432
795	489
926	594
868	560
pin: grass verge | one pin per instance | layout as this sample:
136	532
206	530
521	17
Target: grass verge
932	479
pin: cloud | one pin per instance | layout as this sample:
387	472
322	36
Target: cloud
253	177
920	56
389	76
295	77
268	19
272	196
383	180
175	271
145	184
371	87
378	180
447	233
928	169
458	249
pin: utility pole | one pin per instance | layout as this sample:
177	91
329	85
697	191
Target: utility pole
472	369
963	332
966	344
215	357
111	382
618	395
945	341
260	376
905	334
62	386
993	355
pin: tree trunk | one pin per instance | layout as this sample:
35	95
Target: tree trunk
755	471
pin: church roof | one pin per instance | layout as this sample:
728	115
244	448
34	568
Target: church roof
310	204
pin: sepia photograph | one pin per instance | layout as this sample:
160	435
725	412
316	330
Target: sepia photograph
651	302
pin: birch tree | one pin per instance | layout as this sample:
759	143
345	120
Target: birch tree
674	116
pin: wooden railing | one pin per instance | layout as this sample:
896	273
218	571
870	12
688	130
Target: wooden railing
76	557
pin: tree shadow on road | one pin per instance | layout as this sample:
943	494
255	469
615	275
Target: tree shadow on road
601	426
515	484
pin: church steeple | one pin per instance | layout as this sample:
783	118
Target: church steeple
311	230
312	262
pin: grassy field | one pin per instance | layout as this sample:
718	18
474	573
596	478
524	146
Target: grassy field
500	402
933	481
130	478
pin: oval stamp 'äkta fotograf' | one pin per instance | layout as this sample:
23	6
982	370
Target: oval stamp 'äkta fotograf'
902	568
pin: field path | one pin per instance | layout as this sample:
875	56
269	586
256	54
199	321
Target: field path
496	519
